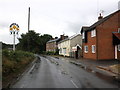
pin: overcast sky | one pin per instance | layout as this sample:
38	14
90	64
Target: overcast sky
53	17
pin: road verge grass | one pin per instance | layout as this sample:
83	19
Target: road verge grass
13	64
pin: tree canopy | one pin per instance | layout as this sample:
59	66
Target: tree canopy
33	42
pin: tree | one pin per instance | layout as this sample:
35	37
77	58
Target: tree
44	38
33	42
6	46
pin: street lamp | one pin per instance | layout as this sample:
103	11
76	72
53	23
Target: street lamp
14	29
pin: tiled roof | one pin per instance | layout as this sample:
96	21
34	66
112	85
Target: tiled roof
73	36
64	40
53	40
69	38
116	38
117	35
101	21
84	28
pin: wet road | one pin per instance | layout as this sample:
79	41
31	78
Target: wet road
59	73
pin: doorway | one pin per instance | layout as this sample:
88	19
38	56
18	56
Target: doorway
77	53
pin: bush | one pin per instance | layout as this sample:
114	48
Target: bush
14	63
14	60
50	53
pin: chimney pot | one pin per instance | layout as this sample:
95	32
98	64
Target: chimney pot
100	17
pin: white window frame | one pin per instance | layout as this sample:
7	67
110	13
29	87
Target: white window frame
60	50
93	48
93	33
64	50
83	35
118	30
86	49
119	47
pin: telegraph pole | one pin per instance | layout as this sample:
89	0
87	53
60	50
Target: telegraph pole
28	27
28	19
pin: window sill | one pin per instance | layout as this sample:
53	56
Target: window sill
85	52
93	36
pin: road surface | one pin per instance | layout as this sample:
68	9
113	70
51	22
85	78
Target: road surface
59	73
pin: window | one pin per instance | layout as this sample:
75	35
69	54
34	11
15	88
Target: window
118	30
93	33
86	49
119	47
60	50
93	49
64	50
83	35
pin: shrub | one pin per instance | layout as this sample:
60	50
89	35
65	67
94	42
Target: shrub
50	52
14	60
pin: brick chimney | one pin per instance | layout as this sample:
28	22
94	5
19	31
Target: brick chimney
63	37
100	17
56	37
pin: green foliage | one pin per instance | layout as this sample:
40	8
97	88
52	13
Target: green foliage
14	63
57	52
6	46
33	42
16	55
14	60
49	53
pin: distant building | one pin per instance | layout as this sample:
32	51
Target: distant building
52	45
101	41
71	46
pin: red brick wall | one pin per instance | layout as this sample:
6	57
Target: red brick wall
104	40
51	46
106	49
91	41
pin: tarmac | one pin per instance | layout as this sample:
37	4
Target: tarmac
102	67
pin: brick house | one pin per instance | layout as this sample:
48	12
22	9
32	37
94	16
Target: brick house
52	45
101	41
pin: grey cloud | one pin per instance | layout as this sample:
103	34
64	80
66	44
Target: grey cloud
76	26
73	27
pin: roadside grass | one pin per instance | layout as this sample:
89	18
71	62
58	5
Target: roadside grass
115	68
13	64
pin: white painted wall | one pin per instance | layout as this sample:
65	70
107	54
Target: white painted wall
68	44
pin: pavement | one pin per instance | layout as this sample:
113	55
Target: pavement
110	68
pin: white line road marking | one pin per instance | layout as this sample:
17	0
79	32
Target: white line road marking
74	84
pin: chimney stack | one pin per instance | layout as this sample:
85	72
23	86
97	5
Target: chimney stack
63	37
100	17
56	37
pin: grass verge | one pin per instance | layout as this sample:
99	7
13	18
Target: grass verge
13	64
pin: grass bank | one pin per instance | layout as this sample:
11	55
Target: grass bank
13	64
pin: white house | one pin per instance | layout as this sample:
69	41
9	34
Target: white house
71	46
